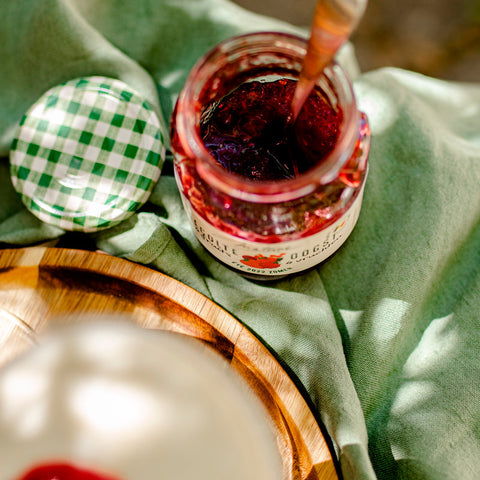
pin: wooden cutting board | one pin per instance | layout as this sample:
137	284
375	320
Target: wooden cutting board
41	287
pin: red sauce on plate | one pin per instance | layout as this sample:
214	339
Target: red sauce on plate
63	471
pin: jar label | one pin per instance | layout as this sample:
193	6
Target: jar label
275	259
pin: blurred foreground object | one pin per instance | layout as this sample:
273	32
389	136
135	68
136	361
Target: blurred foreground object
135	404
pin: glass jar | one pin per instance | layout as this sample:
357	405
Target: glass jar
268	229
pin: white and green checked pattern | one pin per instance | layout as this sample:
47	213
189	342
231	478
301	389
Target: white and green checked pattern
87	154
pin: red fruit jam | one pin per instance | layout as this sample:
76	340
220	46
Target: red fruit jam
63	471
249	132
266	195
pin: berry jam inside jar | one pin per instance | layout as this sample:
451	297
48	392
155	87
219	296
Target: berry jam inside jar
266	195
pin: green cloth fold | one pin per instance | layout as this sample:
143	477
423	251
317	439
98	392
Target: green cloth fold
385	335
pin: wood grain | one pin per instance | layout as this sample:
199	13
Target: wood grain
42	287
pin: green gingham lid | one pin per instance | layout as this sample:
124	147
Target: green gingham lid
87	154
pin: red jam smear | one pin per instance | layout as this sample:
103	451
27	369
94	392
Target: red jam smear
250	133
63	471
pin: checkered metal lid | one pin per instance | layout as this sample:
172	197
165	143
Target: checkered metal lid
87	154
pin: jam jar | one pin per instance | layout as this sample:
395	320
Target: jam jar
268	217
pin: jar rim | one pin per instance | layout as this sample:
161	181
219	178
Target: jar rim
236	185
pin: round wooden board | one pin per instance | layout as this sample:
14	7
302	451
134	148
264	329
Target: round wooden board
41	287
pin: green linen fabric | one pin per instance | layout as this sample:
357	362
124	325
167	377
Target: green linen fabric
384	336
